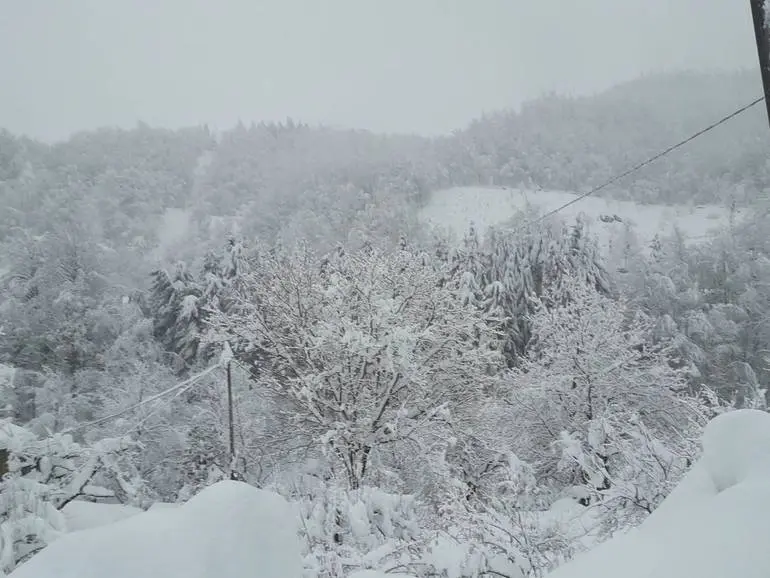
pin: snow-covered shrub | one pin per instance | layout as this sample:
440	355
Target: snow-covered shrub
43	476
599	404
496	520
713	524
628	469
365	528
7	393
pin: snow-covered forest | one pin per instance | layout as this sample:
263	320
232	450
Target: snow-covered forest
483	404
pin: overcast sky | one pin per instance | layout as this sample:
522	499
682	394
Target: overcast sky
425	66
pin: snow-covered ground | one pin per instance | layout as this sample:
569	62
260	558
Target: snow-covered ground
229	530
81	515
715	524
455	209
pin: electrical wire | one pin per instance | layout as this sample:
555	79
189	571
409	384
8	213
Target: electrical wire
649	161
185	384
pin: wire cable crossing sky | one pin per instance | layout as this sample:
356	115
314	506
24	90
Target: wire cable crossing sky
652	159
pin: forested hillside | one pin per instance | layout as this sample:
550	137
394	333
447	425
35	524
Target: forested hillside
510	398
575	144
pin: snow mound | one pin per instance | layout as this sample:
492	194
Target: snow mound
229	530
736	448
163	506
713	525
86	515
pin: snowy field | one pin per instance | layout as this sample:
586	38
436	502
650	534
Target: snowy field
713	525
456	209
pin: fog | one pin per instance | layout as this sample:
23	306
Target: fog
426	66
470	355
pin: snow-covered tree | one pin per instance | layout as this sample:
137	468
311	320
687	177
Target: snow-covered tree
614	403
361	351
175	303
509	270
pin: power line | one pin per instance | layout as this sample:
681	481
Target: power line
185	384
649	161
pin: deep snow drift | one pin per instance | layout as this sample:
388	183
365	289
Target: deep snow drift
456	209
229	530
715	524
81	515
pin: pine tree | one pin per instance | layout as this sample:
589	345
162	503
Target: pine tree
505	274
177	319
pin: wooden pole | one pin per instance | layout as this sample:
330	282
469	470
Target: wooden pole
230	421
763	47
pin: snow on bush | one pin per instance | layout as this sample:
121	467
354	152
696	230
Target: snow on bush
714	524
597	389
7	394
346	530
228	530
42	477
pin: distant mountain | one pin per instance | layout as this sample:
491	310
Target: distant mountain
283	179
576	143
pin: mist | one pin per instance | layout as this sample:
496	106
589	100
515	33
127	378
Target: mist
425	67
379	288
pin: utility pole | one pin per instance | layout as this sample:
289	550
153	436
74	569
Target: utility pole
758	8
231	425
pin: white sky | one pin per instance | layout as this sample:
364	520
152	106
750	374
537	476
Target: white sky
425	66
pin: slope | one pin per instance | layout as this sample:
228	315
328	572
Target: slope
456	209
230	529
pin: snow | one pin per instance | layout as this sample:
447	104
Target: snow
457	208
174	228
227	354
189	308
713	525
6	373
374	574
163	506
228	530
731	453
13	437
455	559
81	515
